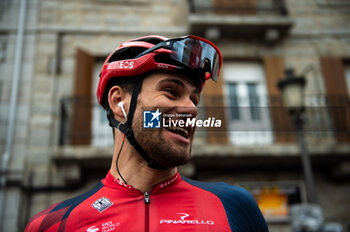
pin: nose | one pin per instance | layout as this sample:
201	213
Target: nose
188	107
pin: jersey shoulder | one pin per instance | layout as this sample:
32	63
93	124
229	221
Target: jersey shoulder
241	208
55	217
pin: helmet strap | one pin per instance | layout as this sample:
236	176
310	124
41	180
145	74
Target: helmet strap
126	127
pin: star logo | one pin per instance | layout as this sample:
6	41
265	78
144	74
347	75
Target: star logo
151	118
155	115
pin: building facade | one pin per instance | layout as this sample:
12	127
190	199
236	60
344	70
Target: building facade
62	145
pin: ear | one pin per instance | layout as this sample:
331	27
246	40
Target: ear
115	95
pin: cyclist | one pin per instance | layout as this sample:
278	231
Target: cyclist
143	190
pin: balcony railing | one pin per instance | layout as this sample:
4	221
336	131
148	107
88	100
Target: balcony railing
262	20
260	7
327	118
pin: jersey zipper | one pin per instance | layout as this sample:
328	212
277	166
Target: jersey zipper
147	201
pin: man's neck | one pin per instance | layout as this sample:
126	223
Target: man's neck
135	171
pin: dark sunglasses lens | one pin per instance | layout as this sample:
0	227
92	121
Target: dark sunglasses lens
195	54
216	67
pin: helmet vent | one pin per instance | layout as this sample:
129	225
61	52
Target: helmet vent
151	40
126	53
165	59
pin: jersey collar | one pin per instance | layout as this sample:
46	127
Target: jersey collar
113	182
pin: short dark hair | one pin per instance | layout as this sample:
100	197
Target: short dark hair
126	83
126	87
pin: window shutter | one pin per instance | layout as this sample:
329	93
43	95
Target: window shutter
82	99
280	119
337	96
214	106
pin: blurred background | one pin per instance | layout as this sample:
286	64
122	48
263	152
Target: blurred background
55	142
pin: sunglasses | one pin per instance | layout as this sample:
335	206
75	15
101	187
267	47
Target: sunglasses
193	52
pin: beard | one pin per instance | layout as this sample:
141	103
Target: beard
167	153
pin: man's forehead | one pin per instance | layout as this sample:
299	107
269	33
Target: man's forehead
176	78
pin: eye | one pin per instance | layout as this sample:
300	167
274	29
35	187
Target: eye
171	92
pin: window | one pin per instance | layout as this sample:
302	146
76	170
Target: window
2	49
102	135
233	101
246	98
347	76
335	73
253	102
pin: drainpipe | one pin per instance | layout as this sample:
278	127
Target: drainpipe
6	157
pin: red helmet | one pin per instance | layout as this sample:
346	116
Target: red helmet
142	55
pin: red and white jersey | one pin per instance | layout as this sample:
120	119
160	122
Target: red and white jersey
177	204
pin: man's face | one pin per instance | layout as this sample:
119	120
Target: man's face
173	94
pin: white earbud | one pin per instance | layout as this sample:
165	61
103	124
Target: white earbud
121	105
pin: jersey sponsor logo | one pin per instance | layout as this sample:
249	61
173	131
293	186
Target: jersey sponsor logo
102	204
163	66
185	215
92	229
109	226
184	220
104	227
126	64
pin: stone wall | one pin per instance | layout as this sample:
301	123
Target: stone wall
56	28
17	165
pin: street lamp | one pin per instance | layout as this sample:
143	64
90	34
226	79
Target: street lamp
293	95
306	217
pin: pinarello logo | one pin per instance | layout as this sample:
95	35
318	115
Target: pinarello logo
92	229
185	219
185	215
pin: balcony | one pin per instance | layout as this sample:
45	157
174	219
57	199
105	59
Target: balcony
85	125
254	19
328	142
